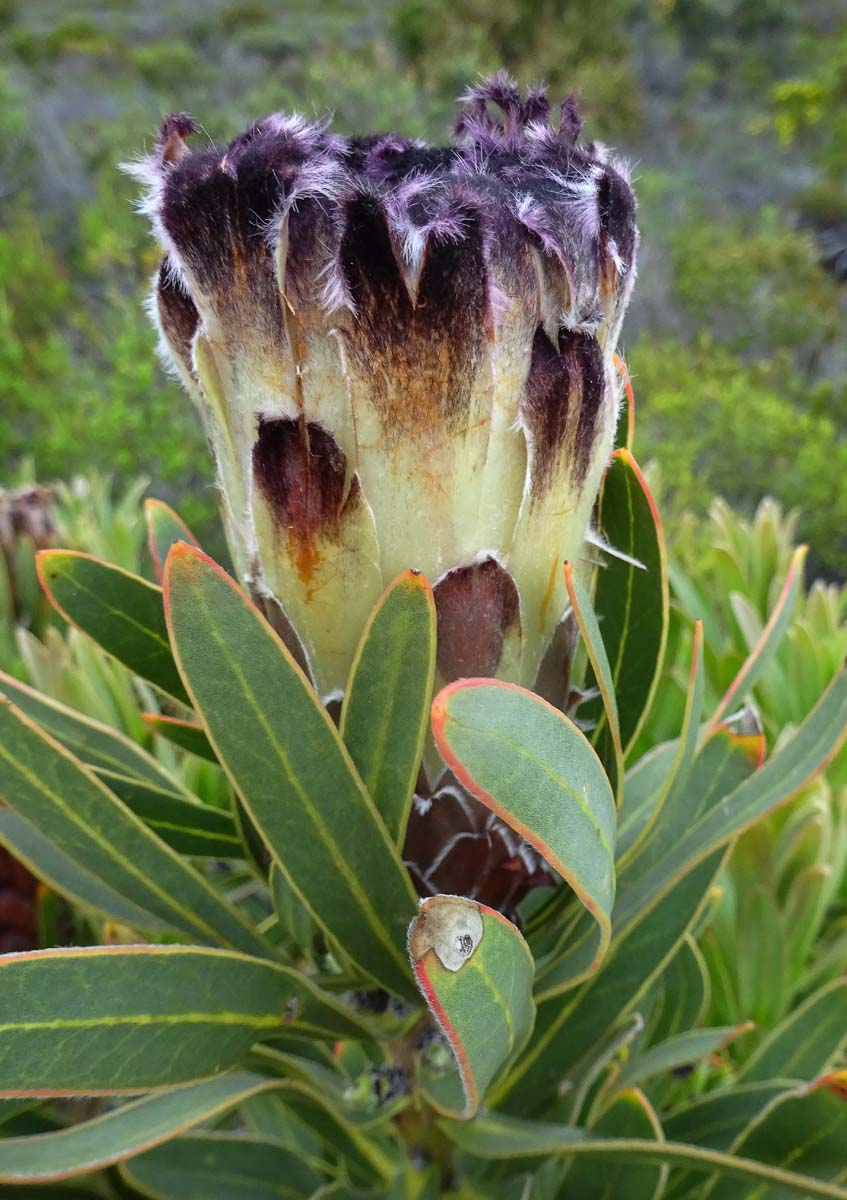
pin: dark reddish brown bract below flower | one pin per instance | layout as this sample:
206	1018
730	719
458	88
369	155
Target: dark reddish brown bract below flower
456	846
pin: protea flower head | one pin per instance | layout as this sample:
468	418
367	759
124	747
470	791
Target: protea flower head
402	356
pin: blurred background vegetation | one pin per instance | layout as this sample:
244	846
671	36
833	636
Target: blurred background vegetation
733	112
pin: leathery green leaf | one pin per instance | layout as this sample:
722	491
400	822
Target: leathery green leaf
565	966
475	972
141	1124
129	1018
631	600
761	653
809	750
95	744
672	810
290	767
133	775
186	825
566	1026
645	785
497	1137
221	1166
531	766
807	1042
684	993
188	735
580	603
68	805
717	1118
120	611
630	1115
678	1051
50	863
164	527
386	706
806	1130
723	762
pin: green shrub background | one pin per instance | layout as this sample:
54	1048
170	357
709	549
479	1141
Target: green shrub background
733	112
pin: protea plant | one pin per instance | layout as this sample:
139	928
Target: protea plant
435	944
403	357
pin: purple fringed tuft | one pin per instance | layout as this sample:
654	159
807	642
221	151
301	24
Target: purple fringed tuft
510	172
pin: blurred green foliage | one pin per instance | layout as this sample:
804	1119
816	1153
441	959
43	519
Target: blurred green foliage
778	927
733	112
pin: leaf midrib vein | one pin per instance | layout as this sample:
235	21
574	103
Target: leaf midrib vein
316	818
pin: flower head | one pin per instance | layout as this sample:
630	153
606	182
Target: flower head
402	356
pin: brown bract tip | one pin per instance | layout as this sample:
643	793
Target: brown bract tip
175	129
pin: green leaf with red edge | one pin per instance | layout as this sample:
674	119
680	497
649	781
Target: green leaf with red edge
580	603
804	1130
221	1166
120	611
630	1115
531	766
290	767
476	974
115	854
386	706
725	759
128	1018
672	812
135	1127
761	654
188	735
644	789
495	1137
164	527
631	601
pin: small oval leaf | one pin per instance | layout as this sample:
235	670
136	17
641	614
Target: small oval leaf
530	765
476	973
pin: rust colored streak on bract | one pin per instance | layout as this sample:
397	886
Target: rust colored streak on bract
419	355
477	607
300	470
